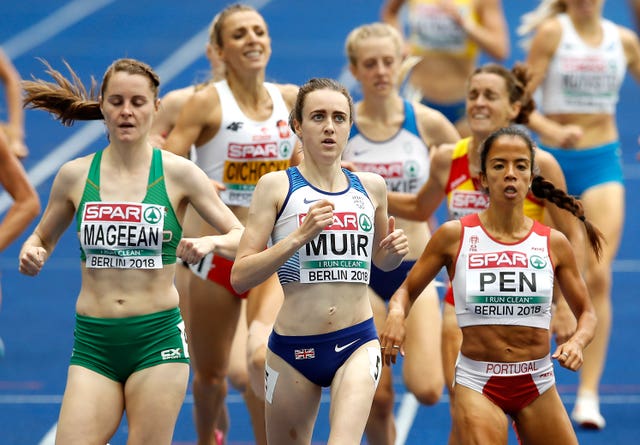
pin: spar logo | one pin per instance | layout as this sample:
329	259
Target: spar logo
285	149
411	169
538	262
386	170
113	212
345	221
365	223
266	150
152	215
469	199
488	260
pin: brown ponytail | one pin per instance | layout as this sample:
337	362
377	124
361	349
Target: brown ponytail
67	99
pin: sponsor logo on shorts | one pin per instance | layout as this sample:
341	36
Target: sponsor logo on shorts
171	354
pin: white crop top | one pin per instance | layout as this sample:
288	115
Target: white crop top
582	78
243	149
341	252
503	284
403	160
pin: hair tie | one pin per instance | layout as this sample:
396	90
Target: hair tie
582	218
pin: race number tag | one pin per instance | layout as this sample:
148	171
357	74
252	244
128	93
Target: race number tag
508	284
202	268
122	235
341	252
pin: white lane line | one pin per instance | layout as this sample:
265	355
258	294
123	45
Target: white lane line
61	19
405	417
50	437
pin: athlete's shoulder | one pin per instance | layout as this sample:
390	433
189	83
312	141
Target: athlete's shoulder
175	99
289	93
370	179
274	178
74	171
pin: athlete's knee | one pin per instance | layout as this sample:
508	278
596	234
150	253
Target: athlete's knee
598	280
238	378
258	357
383	401
209	378
428	393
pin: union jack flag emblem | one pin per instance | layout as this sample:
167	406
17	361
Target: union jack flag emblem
304	354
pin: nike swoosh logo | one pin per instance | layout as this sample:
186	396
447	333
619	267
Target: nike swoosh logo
342	348
309	201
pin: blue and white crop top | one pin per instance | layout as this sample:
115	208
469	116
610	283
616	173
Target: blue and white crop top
402	160
342	251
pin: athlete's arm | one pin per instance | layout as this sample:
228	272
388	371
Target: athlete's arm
254	263
422	205
439	252
198	121
13	93
575	292
390	245
434	128
391	13
199	191
55	219
168	112
26	204
491	34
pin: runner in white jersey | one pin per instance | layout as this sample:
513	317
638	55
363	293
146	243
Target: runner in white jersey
244	149
392	137
498	283
502	265
578	59
170	105
238	127
326	225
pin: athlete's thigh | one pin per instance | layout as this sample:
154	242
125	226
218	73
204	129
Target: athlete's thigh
384	393
292	403
237	373
213	317
451	341
604	207
545	421
263	305
352	390
153	398
422	366
91	410
477	420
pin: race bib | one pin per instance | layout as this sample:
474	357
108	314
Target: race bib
122	235
341	252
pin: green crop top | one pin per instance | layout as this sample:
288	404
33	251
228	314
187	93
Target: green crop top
128	235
